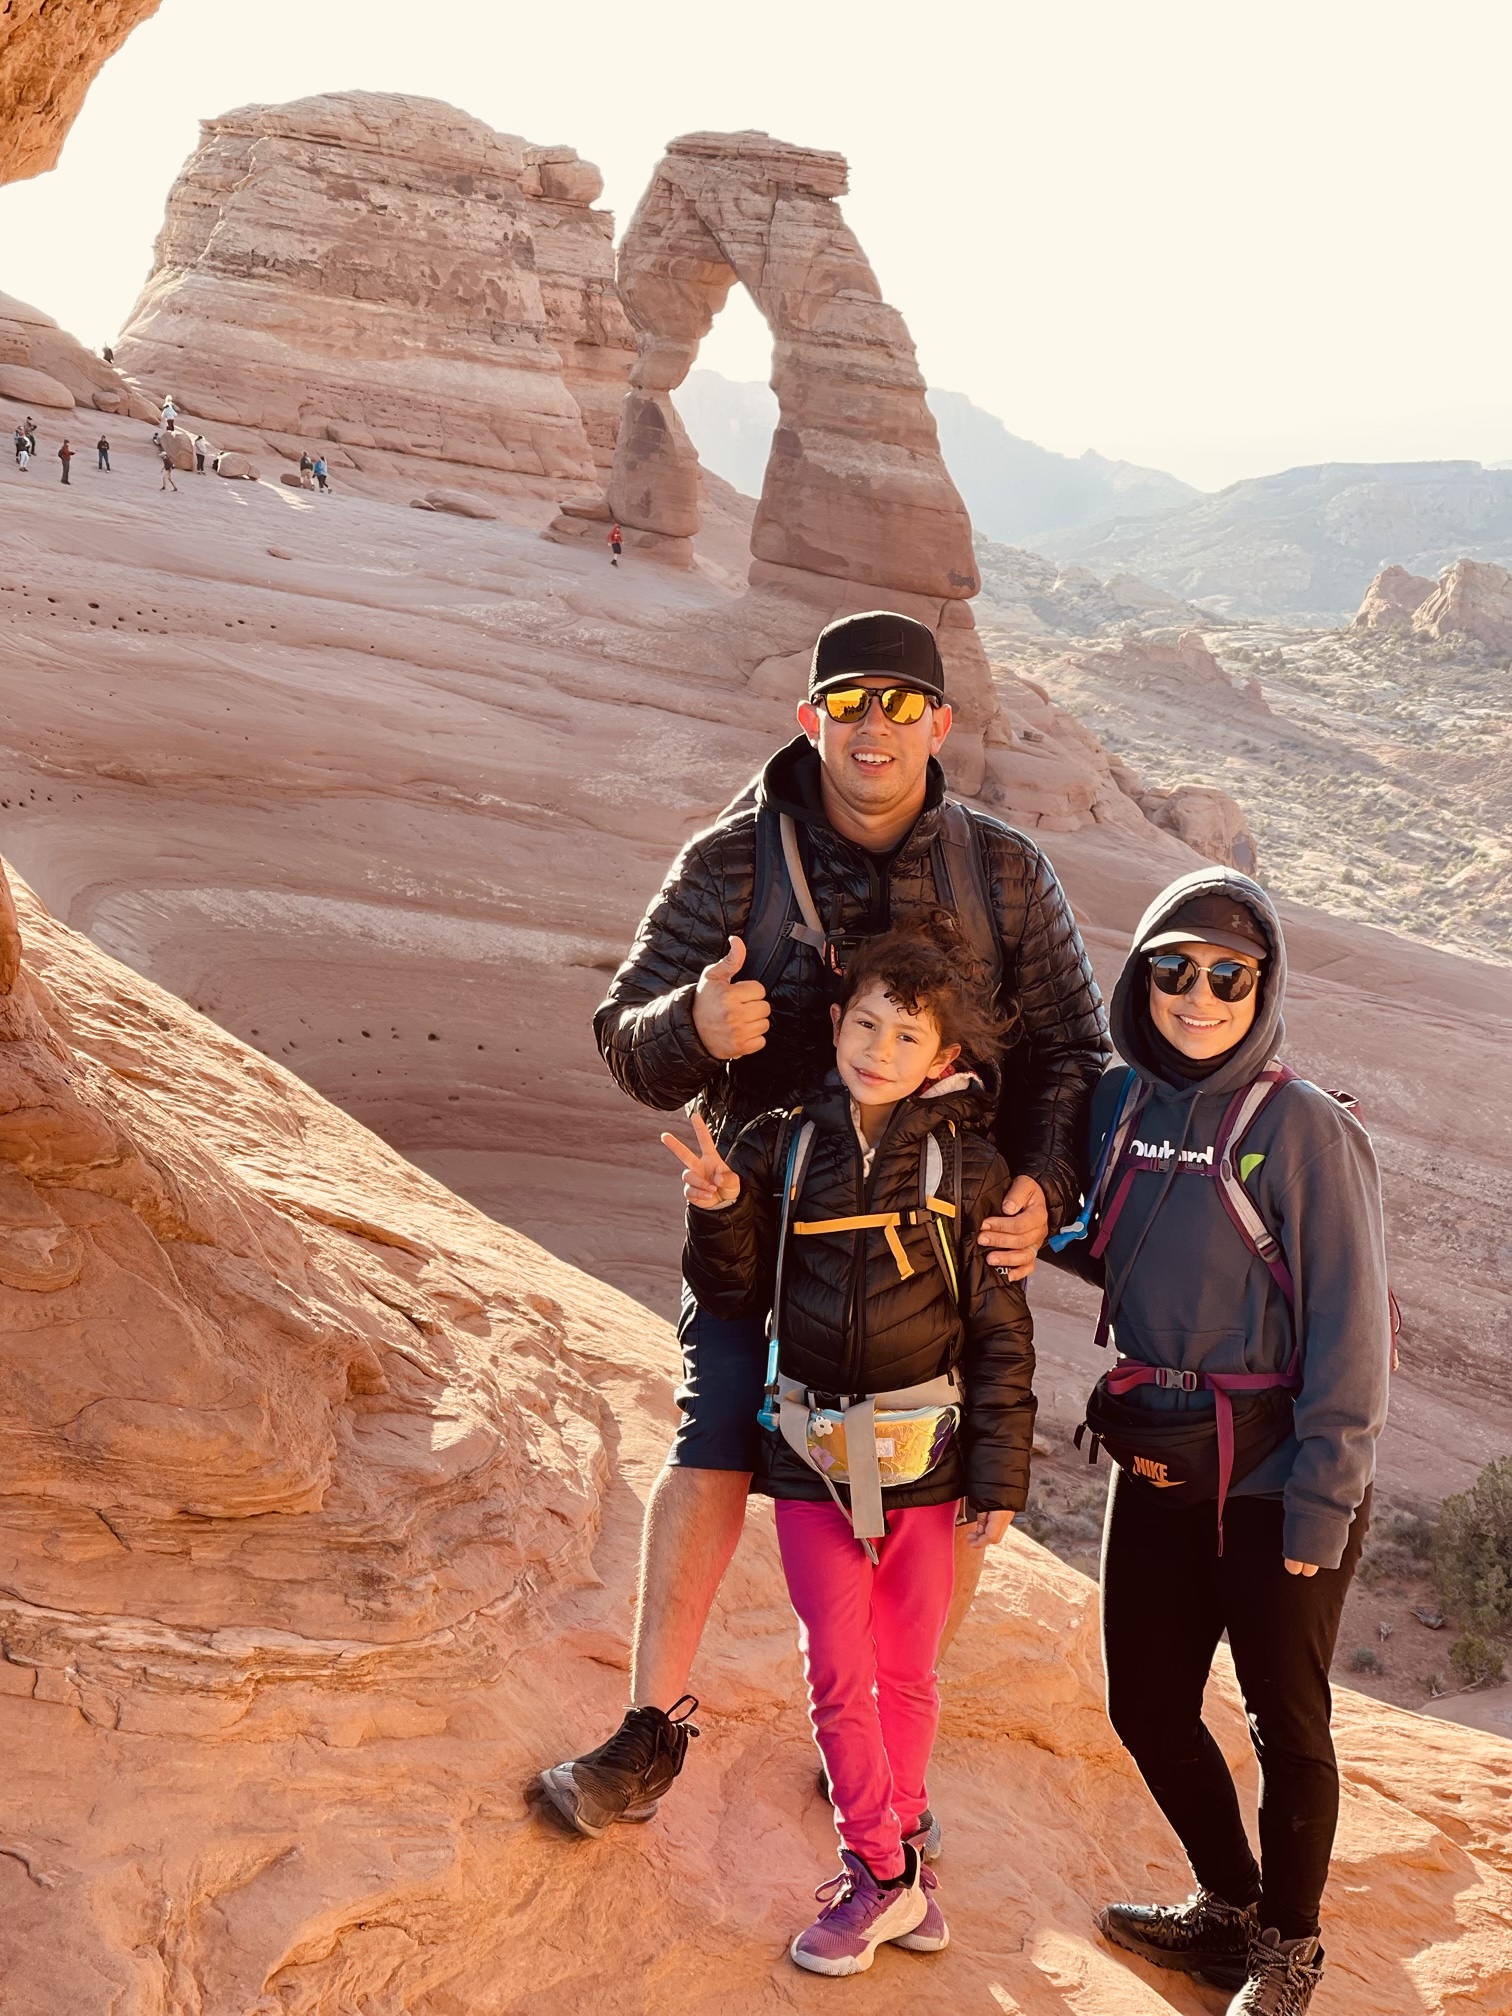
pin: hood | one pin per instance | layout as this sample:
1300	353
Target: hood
790	783
1129	1018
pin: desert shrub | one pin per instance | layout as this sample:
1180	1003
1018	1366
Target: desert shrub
1476	1661
1399	1547
1363	1660
1472	1551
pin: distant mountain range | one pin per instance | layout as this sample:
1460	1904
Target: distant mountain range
1306	542
1015	491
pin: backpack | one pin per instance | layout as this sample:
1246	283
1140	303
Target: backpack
1172	1451
783	910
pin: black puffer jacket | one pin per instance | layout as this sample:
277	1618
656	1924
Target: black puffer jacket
645	1026
849	1324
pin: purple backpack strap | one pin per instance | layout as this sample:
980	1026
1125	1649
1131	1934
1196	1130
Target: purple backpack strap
1239	1116
1112	1176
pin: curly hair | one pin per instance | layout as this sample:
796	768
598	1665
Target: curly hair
928	967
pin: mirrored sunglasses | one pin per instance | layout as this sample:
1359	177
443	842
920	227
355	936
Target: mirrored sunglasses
903	704
1229	979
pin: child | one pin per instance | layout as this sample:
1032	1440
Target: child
879	1293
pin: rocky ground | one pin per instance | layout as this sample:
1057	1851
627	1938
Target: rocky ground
1375	769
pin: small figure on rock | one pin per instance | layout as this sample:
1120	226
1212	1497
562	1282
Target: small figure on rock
108	354
167	482
19	437
616	544
170	411
201	447
31	434
65	456
320	472
102	450
306	471
23	455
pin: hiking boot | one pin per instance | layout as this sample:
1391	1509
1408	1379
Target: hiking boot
1282	1976
859	1915
931	1934
625	1778
925	1836
1204	1936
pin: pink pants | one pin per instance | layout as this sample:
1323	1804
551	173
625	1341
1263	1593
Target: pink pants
869	1637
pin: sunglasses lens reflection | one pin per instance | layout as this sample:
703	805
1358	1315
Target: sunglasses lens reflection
903	704
1229	979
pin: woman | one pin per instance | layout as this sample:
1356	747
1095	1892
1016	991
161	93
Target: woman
1240	1246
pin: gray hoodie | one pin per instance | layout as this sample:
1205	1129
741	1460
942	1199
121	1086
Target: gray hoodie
1185	1289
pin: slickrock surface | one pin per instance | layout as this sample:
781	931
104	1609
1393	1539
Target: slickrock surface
49	55
320	1533
389	274
856	491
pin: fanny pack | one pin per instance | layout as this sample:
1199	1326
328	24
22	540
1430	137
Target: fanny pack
870	1444
1190	1452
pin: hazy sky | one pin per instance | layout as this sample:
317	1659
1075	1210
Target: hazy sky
1219	236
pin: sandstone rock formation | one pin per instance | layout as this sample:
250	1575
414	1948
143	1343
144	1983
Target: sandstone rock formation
48	59
1391	600
323	1494
856	491
40	364
1473	599
388	274
1208	821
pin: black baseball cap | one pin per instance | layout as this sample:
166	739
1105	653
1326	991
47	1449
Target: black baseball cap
1211	919
878	644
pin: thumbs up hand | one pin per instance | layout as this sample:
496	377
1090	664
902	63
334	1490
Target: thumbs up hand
730	1015
709	1183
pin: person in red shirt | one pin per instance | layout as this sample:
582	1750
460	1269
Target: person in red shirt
65	456
616	544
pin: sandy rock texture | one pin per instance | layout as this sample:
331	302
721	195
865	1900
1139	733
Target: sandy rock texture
319	1531
42	364
48	59
389	274
856	491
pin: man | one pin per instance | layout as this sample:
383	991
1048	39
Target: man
102	450
866	798
65	456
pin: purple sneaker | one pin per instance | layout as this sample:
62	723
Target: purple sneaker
931	1934
859	1916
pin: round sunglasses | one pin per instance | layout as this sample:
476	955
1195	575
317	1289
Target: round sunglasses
1229	979
903	704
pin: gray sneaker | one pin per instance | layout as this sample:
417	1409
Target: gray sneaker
625	1778
1283	1974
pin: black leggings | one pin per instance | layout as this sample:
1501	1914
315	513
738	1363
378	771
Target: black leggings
1168	1597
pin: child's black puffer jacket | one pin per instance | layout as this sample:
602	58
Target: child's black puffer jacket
850	1324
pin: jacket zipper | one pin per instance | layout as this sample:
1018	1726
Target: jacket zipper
855	1325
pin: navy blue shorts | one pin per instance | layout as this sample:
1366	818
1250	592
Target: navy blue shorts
724	1378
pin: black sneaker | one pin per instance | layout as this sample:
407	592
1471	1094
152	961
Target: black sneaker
1282	1976
1204	1936
627	1777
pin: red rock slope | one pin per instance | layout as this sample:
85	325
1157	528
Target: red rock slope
321	1499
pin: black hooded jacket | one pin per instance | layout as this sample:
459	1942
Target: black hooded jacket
645	1025
850	1324
1184	1289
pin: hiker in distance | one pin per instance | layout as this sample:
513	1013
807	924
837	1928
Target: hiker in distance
724	1003
1235	1224
853	1218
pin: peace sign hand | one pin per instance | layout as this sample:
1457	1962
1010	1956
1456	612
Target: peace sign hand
709	1183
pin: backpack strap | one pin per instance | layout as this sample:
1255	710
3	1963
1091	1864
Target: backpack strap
1239	1116
811	931
800	1147
1111	1151
940	1214
963	885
